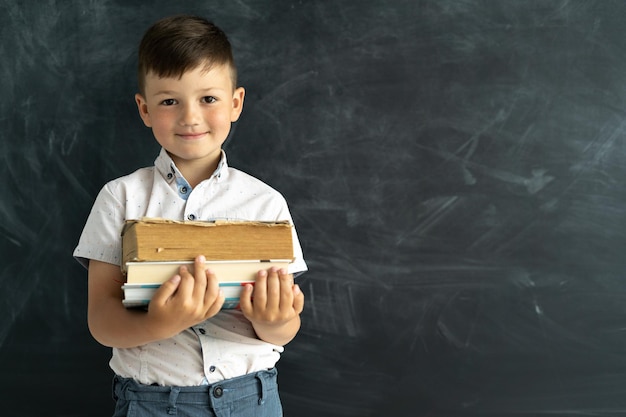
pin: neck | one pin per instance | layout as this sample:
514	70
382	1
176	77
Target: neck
196	171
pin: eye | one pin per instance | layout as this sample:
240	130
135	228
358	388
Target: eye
168	102
209	99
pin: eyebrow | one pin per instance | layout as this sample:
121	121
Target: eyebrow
171	92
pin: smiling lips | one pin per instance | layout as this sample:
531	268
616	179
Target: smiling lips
191	136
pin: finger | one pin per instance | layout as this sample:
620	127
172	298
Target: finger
212	291
298	299
245	300
273	290
186	285
260	291
216	306
286	289
200	278
167	289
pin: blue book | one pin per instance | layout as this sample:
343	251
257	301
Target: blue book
139	295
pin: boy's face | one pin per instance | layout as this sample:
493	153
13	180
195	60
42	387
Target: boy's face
191	117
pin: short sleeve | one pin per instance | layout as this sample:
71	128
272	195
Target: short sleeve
101	237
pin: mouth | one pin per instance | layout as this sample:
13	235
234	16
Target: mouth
191	136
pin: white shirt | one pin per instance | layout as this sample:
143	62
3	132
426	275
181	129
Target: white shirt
224	346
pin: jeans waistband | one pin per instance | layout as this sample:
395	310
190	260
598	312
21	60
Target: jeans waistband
229	390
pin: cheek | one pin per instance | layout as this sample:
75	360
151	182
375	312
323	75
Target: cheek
161	121
221	118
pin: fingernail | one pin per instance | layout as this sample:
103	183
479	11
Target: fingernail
263	272
201	258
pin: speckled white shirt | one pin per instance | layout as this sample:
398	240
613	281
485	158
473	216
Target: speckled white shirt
224	346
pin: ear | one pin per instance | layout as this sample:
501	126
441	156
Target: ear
238	97
142	106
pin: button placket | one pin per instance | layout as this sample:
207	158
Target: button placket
194	204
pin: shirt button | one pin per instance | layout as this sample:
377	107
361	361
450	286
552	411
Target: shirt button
183	189
191	217
169	176
218	392
212	368
202	331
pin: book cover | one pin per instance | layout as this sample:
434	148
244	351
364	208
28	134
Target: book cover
139	295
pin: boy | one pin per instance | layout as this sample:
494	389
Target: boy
183	355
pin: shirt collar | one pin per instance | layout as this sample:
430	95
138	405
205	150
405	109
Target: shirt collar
166	166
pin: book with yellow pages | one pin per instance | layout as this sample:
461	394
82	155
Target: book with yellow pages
155	239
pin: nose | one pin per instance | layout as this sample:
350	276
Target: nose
190	115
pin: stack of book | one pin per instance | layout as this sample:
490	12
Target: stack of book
153	250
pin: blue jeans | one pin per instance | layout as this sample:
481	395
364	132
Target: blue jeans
252	395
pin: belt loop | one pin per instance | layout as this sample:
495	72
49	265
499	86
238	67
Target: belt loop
114	383
171	408
261	377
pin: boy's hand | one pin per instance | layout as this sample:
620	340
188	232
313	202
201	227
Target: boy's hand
275	311
186	300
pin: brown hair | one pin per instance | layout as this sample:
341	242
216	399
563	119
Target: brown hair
180	43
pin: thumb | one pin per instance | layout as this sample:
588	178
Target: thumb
298	299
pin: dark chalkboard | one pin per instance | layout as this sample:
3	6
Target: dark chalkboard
455	170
